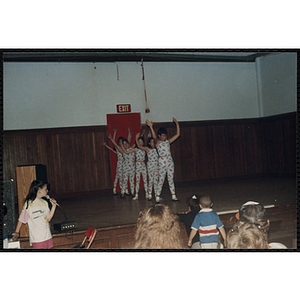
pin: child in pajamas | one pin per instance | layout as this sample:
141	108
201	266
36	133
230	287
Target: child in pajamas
119	168
128	167
121	164
152	166
165	160
140	166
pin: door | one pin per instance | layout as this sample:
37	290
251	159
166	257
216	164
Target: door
122	122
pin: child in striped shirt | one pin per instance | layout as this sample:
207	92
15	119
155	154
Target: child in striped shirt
208	224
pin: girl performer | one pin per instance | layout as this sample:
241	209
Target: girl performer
37	214
125	169
165	161
140	166
152	166
128	167
119	168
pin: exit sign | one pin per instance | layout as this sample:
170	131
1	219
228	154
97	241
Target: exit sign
123	108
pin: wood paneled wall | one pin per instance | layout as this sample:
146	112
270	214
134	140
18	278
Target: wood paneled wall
77	161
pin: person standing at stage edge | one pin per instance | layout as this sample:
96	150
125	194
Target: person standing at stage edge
37	214
165	160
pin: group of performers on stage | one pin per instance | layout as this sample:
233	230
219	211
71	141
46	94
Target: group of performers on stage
131	162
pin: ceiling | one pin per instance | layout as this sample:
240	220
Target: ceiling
116	55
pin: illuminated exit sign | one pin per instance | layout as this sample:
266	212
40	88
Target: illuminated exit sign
121	108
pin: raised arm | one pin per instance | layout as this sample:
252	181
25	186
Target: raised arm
115	132
150	124
115	144
111	149
128	151
129	135
176	136
137	143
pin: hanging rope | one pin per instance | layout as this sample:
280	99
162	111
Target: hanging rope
145	93
117	71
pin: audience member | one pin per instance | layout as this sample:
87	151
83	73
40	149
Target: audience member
157	228
208	224
246	236
256	213
188	217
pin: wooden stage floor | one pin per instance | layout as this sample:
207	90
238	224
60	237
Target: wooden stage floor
105	209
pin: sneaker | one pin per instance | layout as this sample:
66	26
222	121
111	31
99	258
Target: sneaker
174	198
135	197
126	192
114	191
157	199
147	195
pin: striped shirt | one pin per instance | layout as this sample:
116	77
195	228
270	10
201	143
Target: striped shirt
207	223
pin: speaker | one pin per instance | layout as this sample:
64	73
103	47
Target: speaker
9	220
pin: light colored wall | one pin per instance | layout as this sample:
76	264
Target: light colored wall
277	83
46	95
202	91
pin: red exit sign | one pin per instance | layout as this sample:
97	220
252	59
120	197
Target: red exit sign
123	108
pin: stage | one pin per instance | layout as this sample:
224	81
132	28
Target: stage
106	210
115	217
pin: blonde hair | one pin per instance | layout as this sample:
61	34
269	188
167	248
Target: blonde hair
157	228
246	236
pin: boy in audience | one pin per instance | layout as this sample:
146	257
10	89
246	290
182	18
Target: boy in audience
208	224
188	218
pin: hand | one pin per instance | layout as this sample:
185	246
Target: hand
190	243
129	130
149	123
15	234
53	201
138	135
109	136
104	144
115	130
174	120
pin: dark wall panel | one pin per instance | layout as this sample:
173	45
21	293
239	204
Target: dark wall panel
77	161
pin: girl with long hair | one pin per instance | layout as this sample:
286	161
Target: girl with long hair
37	214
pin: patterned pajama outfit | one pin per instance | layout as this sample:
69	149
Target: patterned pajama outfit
119	170
152	166
165	165
140	168
128	171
